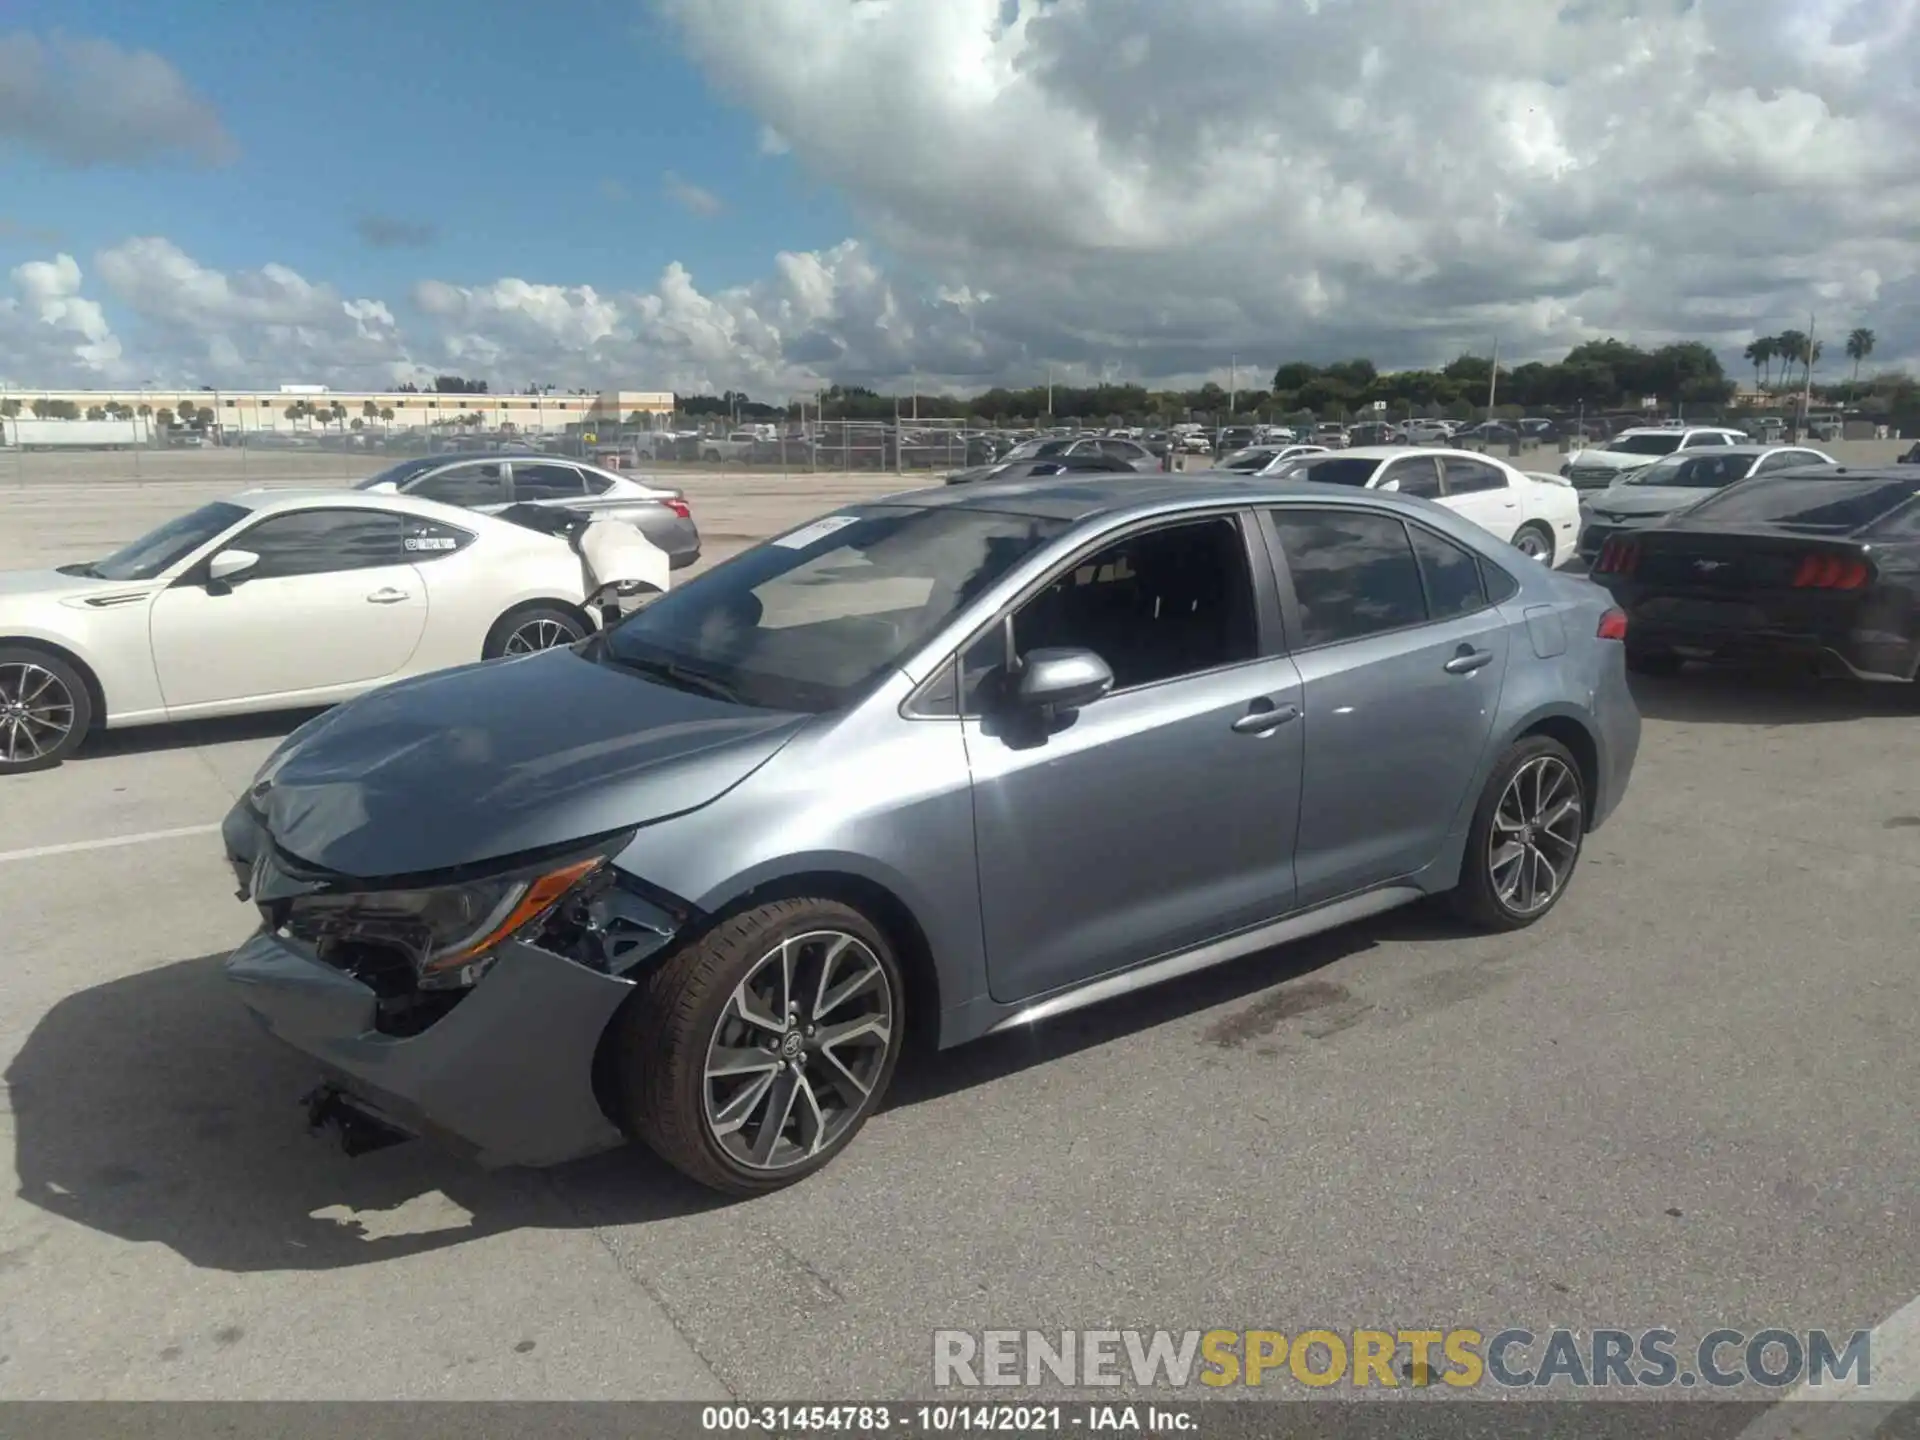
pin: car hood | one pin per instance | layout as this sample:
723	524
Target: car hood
1610	459
1645	500
498	758
22	590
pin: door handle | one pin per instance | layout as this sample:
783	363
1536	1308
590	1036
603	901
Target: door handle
1468	660
388	596
1265	722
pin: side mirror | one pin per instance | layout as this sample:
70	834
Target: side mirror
1389	485
1061	679
230	565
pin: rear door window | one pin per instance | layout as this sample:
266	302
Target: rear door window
546	481
479	482
1354	573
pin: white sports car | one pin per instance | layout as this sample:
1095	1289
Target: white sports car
283	599
1538	518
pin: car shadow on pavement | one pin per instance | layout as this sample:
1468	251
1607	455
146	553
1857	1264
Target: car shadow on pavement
1704	696
193	734
153	1109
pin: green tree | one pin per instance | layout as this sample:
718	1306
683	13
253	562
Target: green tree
1791	348
96	412
1760	355
386	414
339	414
1860	344
164	418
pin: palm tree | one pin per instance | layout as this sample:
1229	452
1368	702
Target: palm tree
1790	346
1859	347
1760	352
339	414
386	414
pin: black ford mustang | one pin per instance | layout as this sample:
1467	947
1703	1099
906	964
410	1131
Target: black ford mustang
1817	565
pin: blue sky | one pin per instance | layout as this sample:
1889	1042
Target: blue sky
540	157
1130	187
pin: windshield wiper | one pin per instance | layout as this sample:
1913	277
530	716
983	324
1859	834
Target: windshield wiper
675	675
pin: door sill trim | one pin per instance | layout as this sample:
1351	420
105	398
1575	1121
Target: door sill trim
1213	952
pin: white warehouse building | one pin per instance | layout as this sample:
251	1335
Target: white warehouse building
301	408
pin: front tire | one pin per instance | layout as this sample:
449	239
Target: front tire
1525	839
45	709
754	1054
529	631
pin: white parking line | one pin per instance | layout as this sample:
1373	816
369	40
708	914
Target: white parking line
1895	1381
109	843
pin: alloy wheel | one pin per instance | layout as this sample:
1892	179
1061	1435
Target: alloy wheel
802	1042
36	712
536	635
1530	544
1536	835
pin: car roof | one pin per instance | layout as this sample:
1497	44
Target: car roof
1075	498
268	501
1678	430
1400	452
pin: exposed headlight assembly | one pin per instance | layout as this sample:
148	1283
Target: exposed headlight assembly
448	933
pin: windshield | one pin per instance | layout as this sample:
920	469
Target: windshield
1800	502
1247	459
159	550
1035	449
1646	444
1331	470
398	475
1693	472
811	620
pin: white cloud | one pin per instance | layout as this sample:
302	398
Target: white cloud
692	197
87	101
1145	189
49	324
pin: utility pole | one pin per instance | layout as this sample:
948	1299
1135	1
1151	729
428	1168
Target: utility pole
1493	379
1806	400
1233	385
1049	392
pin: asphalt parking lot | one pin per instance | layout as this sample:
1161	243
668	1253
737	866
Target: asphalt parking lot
1685	1099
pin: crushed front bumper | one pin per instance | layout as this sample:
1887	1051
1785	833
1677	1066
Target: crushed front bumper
506	1076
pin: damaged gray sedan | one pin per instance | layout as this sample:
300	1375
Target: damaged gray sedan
947	764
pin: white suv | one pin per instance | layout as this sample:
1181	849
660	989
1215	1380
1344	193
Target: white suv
1631	449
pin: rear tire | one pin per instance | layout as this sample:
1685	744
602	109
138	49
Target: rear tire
1525	840
1535	541
531	630
708	1080
45	709
1653	662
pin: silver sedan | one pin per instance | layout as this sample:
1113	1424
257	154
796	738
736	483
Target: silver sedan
956	762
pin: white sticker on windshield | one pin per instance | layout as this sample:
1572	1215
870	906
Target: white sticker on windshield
818	530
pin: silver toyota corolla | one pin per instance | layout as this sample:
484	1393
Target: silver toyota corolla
947	764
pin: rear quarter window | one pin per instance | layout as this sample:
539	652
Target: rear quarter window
432	539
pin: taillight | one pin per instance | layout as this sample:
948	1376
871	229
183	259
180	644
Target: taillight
1613	625
1831	572
1617	557
680	508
